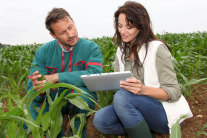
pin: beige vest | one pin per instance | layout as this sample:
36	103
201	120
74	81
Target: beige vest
174	110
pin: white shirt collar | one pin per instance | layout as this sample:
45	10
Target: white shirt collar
64	50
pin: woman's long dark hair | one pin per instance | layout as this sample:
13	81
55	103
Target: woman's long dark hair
137	16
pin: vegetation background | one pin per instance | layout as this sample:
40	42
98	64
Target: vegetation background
189	51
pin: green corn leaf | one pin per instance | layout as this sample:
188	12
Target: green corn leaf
72	125
31	94
83	122
50	86
56	119
11	82
59	99
22	78
175	130
10	100
12	128
75	136
45	120
78	101
42	76
1	108
38	119
49	99
16	100
21	133
17	118
194	81
15	111
80	94
3	128
89	113
82	118
203	130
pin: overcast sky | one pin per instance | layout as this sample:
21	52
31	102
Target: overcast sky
22	21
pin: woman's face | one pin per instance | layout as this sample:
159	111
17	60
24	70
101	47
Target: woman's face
128	32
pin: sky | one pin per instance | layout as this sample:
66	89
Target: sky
23	21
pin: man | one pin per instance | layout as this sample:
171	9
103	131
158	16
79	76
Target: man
63	60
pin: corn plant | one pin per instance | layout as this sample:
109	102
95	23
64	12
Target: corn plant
203	131
48	124
108	50
176	129
190	57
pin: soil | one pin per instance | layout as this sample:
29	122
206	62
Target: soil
190	128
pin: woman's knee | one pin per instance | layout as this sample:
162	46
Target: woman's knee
103	119
121	97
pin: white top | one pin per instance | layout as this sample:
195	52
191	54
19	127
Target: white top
174	110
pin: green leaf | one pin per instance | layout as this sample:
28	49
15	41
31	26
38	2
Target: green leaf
203	130
75	136
83	122
12	117
21	133
42	76
22	78
89	113
82	95
72	125
15	111
57	99
82	117
78	101
3	128
10	100
1	105
11	82
49	99
12	128
195	81
38	119
175	130
56	119
45	120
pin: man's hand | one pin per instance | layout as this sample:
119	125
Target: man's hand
36	82
54	78
133	85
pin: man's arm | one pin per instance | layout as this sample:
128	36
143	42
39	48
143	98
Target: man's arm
93	65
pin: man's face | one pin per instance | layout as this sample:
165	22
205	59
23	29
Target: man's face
65	32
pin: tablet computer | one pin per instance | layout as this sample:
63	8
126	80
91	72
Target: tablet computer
105	81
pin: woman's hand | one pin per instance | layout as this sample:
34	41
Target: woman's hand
133	85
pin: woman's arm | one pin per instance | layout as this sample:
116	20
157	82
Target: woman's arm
169	87
135	86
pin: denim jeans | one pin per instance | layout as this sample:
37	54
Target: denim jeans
127	111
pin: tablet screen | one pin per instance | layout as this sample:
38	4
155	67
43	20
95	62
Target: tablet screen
105	81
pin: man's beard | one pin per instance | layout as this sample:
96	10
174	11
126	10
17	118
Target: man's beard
68	44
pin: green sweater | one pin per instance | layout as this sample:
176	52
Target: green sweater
85	58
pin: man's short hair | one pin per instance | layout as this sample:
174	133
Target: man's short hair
54	15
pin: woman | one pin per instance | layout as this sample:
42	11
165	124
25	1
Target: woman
150	101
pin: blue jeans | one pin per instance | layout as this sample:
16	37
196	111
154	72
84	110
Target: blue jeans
127	111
